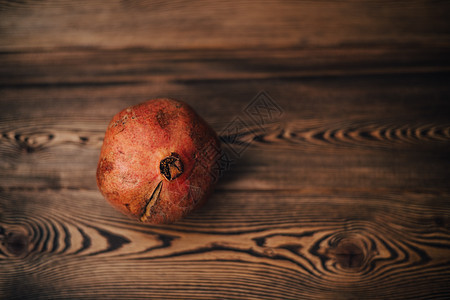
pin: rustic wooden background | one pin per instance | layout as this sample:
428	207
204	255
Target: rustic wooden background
343	196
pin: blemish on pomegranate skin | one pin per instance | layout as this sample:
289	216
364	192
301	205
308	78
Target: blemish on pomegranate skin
124	119
162	119
104	167
151	202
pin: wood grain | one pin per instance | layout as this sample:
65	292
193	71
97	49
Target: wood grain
337	199
181	24
63	156
289	247
380	117
344	194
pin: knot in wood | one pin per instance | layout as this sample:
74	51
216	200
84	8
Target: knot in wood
349	252
15	243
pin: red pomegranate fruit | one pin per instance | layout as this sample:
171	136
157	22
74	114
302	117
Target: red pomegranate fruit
158	161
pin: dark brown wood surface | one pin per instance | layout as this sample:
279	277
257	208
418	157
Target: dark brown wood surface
343	195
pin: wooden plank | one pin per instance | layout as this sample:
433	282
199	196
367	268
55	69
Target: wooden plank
30	25
298	155
273	245
96	84
101	68
362	124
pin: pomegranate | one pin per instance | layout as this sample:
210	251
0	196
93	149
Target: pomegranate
158	161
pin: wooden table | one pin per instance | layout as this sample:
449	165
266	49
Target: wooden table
336	185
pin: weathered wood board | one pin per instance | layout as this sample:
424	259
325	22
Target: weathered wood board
342	193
